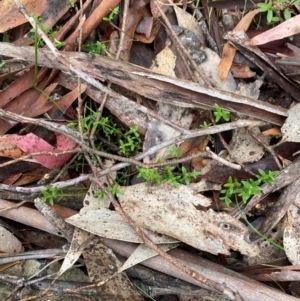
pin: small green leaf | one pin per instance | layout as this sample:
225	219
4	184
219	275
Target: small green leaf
270	15
264	7
287	14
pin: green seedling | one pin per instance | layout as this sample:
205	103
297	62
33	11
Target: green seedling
99	194
51	194
275	9
206	125
72	4
186	176
175	151
167	174
131	142
244	217
220	113
97	48
246	188
113	189
112	14
59	44
150	175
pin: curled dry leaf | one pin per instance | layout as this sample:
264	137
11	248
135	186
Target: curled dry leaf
161	209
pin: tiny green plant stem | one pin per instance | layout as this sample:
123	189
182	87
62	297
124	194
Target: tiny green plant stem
278	246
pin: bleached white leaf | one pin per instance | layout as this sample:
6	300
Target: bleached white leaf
165	190
141	253
173	215
110	224
291	237
75	250
91	202
291	127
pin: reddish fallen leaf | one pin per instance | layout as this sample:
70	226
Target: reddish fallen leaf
241	71
272	132
283	30
229	51
31	143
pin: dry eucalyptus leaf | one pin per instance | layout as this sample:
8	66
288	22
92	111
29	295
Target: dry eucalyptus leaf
291	243
182	193
79	238
167	212
142	252
102	264
291	127
91	202
291	236
110	224
9	243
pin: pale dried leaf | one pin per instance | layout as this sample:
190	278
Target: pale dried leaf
291	242
182	193
159	132
187	21
291	127
244	148
110	224
250	89
165	62
102	264
142	252
9	243
79	239
171	214
291	237
91	202
210	69
9	149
